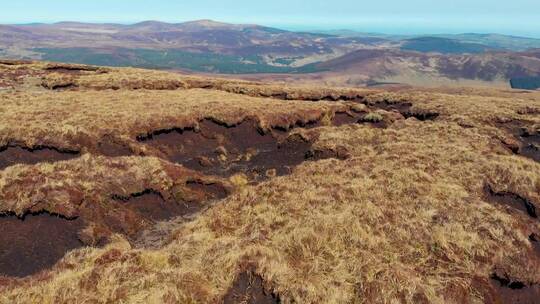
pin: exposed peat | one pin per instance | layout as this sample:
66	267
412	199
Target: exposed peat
73	68
15	154
514	201
248	288
345	118
223	150
110	146
388	105
405	108
150	204
530	144
338	152
526	142
35	242
208	190
535	242
507	290
503	288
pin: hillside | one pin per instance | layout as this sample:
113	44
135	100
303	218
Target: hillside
433	69
391	68
443	46
197	45
496	41
140	186
255	52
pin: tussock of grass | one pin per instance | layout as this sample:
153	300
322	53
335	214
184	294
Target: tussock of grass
372	117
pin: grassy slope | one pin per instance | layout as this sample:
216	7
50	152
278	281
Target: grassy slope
403	220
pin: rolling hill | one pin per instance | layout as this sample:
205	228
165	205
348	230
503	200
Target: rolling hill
384	65
252	48
443	46
256	52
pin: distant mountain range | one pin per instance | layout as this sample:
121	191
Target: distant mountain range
340	57
496	41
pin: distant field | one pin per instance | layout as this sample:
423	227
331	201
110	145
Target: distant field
169	59
526	83
443	46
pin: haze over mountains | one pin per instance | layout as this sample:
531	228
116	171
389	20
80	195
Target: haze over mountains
331	57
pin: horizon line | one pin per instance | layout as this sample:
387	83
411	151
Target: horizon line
299	27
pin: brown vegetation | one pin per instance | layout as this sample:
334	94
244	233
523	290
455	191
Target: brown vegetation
410	196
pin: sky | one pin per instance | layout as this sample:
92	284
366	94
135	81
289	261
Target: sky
517	17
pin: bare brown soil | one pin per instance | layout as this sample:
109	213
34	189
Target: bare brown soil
404	108
530	144
151	204
535	242
129	215
507	290
345	118
512	200
249	288
528	140
14	154
224	150
110	146
74	68
35	242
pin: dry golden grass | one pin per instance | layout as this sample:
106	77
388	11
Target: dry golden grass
57	186
405	219
66	119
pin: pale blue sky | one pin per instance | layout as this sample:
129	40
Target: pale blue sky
391	16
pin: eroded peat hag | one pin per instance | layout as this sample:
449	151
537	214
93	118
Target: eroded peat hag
512	200
151	205
112	147
345	118
526	141
35	242
132	214
404	108
207	191
74	68
277	92
249	288
507	290
530	144
15	154
535	242
157	235
222	150
167	218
